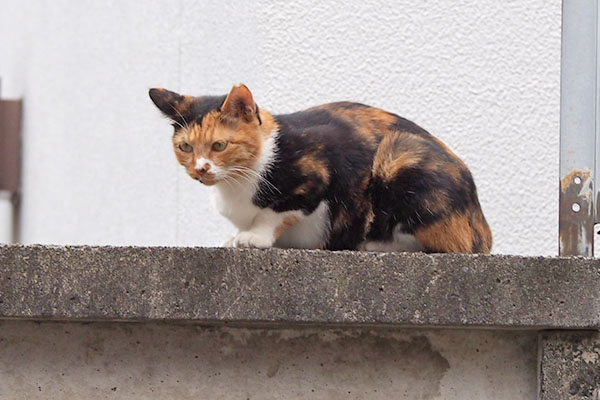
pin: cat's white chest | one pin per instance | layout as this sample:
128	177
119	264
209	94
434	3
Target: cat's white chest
235	203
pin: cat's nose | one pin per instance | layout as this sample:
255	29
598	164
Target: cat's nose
203	170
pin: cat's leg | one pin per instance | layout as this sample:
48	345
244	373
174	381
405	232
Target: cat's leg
401	241
405	243
267	226
228	242
310	232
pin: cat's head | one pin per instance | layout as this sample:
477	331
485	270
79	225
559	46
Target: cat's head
216	137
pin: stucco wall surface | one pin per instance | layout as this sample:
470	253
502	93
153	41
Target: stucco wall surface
98	167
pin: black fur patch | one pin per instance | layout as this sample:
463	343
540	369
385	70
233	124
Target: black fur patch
329	139
204	105
404	125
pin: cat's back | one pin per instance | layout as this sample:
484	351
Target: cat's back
349	117
352	125
389	142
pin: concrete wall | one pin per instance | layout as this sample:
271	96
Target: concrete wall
154	361
481	75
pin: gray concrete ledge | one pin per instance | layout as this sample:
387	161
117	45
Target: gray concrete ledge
283	287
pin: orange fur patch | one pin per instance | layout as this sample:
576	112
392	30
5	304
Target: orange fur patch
388	160
304	188
450	235
458	234
452	171
341	221
185	104
287	223
481	226
243	148
368	121
309	164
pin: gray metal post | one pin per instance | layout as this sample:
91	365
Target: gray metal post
578	116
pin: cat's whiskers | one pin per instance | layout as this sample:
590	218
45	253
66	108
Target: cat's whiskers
253	183
243	175
419	216
267	167
187	126
181	126
226	178
259	177
250	176
244	182
227	182
248	172
239	173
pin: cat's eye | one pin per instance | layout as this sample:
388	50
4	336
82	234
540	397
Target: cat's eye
219	146
186	148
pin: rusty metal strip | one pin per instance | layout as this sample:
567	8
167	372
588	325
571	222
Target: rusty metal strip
578	127
596	195
597	162
10	144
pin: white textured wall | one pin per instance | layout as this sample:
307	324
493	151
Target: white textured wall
481	75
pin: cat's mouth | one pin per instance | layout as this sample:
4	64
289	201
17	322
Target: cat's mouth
207	179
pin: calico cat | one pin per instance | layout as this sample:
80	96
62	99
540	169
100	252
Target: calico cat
336	176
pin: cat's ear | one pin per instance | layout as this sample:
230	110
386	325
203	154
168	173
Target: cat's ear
240	105
168	102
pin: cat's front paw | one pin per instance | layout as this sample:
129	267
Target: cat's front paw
251	239
228	242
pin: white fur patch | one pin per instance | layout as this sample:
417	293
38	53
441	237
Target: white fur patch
215	169
268	154
233	200
201	162
401	242
310	232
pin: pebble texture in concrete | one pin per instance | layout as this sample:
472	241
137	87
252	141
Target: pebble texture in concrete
65	361
291	286
570	365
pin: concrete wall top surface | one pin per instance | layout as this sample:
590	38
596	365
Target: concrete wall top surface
295	287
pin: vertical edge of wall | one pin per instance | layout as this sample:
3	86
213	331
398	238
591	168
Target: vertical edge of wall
6	217
569	365
10	144
10	168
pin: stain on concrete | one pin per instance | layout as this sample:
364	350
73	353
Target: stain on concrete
273	368
570	365
377	353
588	374
157	361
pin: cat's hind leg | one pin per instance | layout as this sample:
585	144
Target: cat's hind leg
401	241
